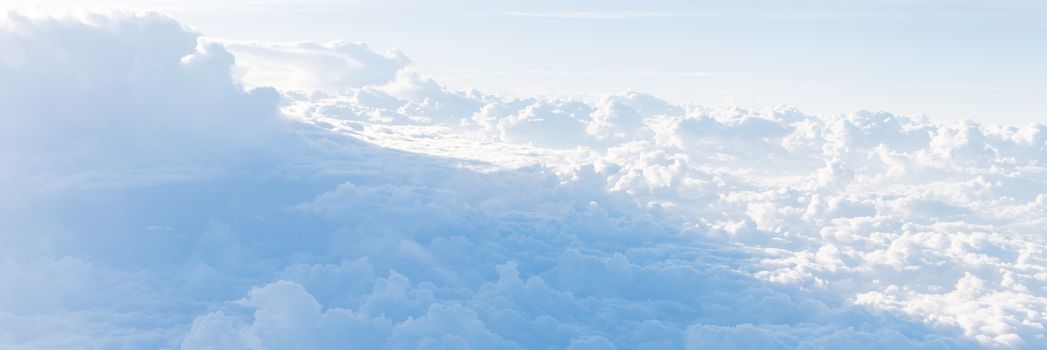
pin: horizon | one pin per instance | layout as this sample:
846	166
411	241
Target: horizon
946	60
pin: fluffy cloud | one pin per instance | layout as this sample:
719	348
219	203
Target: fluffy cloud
335	66
151	201
103	101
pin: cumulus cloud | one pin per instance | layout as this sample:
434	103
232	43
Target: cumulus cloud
94	98
151	201
335	66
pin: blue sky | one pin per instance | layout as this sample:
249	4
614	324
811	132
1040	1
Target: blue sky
946	59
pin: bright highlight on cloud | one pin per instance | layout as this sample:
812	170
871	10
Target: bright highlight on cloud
151	201
335	67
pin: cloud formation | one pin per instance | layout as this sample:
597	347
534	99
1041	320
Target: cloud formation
153	202
334	66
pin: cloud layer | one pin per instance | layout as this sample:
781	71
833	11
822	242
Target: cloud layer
151	201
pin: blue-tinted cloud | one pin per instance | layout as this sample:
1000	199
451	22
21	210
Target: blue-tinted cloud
152	202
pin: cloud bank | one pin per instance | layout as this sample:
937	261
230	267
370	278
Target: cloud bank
151	201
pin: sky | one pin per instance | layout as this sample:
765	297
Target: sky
949	60
276	175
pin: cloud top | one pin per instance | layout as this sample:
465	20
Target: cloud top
151	201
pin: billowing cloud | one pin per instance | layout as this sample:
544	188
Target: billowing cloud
151	201
335	66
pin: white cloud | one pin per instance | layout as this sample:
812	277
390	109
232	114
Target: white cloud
335	66
392	212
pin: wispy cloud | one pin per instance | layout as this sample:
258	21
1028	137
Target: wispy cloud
614	72
599	15
962	87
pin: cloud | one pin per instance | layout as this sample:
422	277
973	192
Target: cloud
102	96
285	316
335	66
151	201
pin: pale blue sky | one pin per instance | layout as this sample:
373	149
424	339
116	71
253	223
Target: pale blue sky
946	59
